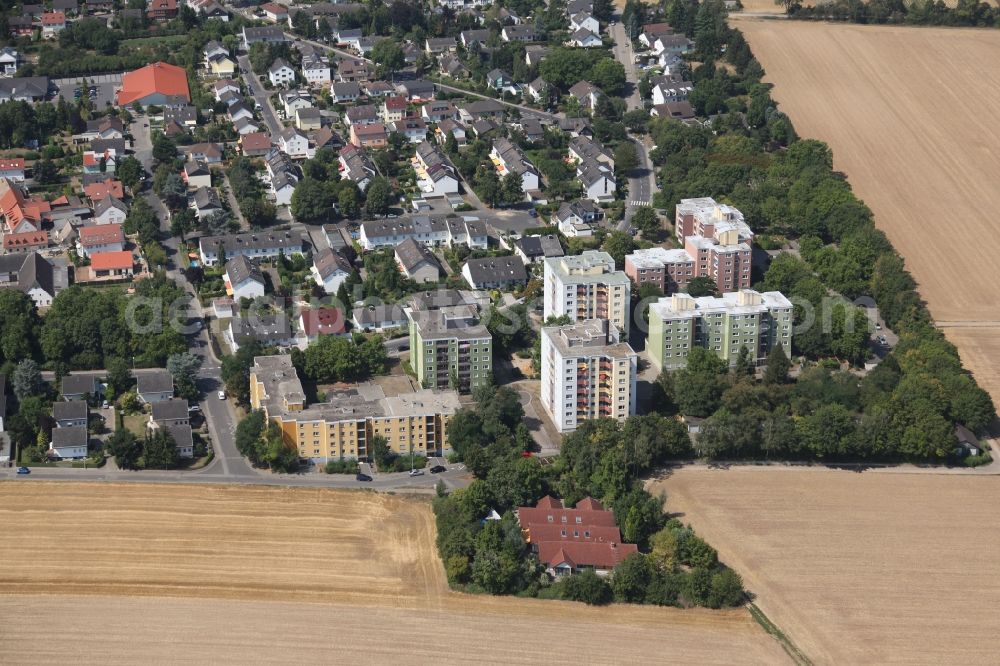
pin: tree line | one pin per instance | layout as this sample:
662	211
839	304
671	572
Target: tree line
603	459
966	13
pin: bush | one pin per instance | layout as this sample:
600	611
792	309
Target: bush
341	467
587	587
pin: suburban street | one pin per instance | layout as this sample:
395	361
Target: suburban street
260	96
626	56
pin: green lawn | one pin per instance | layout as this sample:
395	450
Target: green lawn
137	423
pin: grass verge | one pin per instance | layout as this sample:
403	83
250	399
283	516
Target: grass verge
787	645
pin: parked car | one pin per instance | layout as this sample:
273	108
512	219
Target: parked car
362	477
23	470
105	405
194	408
222	395
416	472
437	469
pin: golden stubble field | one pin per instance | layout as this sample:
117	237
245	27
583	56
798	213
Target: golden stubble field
137	573
913	117
869	568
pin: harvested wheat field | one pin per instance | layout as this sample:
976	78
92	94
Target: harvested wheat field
858	568
137	573
913	117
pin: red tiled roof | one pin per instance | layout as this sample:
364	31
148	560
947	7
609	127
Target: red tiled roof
53	18
11	163
274	8
108	188
395	103
599	555
323	321
159	77
255	141
544	532
25	239
101	234
106	261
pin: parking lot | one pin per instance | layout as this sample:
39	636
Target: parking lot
100	87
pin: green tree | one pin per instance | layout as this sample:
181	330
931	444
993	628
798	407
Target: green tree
697	388
778	365
27	380
488	186
608	75
312	201
388	56
631	578
744	363
618	244
587	587
702	286
119	376
647	221
348	203
126	449
46	172
382	455
159	451
130	172
19	326
249	432
512	188
164	149
726	590
626	158
378	197
184	370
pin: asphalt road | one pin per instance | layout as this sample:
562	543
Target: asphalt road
624	54
260	95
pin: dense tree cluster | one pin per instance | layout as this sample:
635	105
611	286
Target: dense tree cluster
788	190
966	13
602	459
264	445
249	192
336	359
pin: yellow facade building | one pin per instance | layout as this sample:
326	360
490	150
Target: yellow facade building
345	425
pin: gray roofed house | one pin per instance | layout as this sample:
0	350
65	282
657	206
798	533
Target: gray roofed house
76	387
330	269
484	108
417	262
24	88
267	34
379	317
437	45
495	272
245	278
269	330
170	412
69	442
68	413
155	386
535	248
34	275
206	202
345	91
253	245
183	440
418	88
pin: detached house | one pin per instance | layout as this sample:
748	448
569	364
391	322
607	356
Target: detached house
330	269
280	73
356	166
243	279
103	238
155	386
110	210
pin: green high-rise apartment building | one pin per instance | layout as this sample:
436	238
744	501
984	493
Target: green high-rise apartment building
449	347
751	319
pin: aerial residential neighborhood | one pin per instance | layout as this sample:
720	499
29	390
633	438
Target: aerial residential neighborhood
524	260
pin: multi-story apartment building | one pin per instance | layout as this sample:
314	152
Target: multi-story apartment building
449	346
430	230
587	286
587	373
717	244
748	318
345	426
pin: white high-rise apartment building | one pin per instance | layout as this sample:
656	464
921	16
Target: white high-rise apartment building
587	373
587	286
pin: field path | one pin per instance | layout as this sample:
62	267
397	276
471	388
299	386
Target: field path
913	117
140	573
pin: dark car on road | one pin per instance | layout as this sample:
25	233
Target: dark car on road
362	477
437	469
23	470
